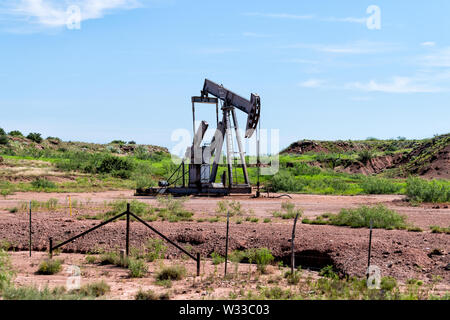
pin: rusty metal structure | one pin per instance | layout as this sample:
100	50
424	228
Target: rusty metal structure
198	170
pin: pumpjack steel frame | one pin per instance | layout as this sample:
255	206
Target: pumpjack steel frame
201	173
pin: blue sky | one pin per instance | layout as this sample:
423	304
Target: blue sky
130	70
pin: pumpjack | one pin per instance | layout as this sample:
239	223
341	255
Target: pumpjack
202	173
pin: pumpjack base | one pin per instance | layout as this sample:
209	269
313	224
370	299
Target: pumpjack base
207	191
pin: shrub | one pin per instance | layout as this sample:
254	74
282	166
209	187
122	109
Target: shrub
96	289
288	211
176	272
43	183
388	283
328	272
261	256
285	181
381	216
90	259
15	133
49	266
2	132
34	136
372	185
138	268
365	156
146	295
119	167
3	139
6	271
217	258
120	142
293	278
420	190
155	250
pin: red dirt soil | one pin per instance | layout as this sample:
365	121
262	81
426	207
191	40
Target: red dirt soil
400	254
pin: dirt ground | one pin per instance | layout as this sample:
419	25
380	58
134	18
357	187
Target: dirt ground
398	253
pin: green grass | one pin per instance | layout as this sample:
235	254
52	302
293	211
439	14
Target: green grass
437	229
380	215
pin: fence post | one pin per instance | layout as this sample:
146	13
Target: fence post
127	248
292	246
226	242
370	244
30	230
198	264
50	241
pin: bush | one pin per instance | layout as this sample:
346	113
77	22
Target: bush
372	185
388	283
155	250
119	167
49	266
2	132
365	156
34	136
171	273
288	211
285	181
6	271
3	139
328	272
120	142
217	258
146	295
420	190
138	268
261	256
42	183
381	216
15	133
95	289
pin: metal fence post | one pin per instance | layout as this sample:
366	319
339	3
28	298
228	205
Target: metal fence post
292	246
127	249
30	230
198	264
226	242
50	241
370	243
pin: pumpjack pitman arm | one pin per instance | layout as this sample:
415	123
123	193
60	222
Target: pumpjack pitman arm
251	107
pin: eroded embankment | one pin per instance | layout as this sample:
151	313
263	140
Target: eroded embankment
400	254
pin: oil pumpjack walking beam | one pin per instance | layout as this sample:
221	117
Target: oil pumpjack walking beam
202	175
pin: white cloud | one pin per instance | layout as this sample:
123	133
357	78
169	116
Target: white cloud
359	47
428	44
52	13
280	15
439	58
397	85
347	19
311	83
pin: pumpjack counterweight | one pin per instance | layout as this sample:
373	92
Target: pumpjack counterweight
201	172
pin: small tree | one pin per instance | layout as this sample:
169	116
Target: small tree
3	139
2	132
15	133
34	136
